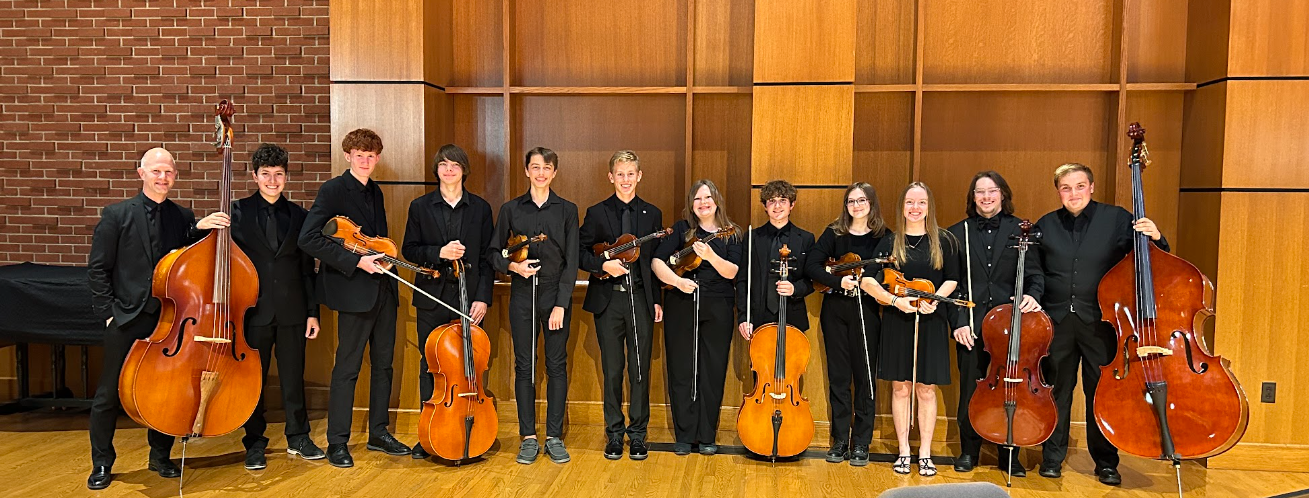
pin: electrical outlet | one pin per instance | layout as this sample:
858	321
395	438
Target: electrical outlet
1269	394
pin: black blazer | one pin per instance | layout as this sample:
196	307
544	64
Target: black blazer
425	234
800	242
122	261
603	224
341	285
286	276
993	278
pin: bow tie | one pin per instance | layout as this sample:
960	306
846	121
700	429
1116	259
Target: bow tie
991	223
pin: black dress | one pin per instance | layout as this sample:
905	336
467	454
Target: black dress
895	360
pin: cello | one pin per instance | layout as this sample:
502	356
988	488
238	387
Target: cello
1168	398
1013	389
459	422
775	419
196	376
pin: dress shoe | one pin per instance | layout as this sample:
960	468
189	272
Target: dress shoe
1109	476
418	452
386	443
837	453
100	478
254	459
964	463
304	447
339	456
1016	469
1051	471
638	450
682	449
859	455
614	448
166	468
707	449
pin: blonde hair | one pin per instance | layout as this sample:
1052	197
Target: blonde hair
1070	168
934	233
624	156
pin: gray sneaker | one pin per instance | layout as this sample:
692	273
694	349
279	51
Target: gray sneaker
528	451
554	448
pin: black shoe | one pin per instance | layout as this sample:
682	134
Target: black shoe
418	452
859	455
682	449
838	452
306	448
614	448
166	468
254	459
1109	476
964	463
1051	471
638	451
339	456
1016	469
707	449
100	478
388	444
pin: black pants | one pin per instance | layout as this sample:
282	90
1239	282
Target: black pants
288	342
1091	346
106	406
429	320
618	350
701	368
376	329
847	364
972	366
556	355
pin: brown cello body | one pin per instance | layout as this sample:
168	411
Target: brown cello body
1020	382
195	376
460	421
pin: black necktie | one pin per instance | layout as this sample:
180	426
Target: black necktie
627	219
270	227
775	250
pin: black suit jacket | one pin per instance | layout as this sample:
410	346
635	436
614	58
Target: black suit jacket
286	275
122	261
341	285
603	224
993	278
799	241
426	233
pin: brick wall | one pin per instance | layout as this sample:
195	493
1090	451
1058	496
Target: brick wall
84	91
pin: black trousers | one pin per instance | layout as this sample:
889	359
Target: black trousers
429	320
847	364
106	406
1091	346
288	342
375	329
698	367
524	334
618	350
972	366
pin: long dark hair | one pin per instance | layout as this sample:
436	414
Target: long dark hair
1006	195
876	225
453	153
720	212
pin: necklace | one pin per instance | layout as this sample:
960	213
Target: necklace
915	244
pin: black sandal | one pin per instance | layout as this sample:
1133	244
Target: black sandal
926	468
902	464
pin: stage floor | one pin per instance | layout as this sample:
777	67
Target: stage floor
47	454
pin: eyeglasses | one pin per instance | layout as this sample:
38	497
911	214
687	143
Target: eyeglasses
857	202
987	192
777	201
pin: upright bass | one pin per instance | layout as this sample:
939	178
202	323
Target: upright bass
195	376
1163	395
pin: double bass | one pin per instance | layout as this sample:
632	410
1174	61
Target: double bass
1163	395
459	422
1013	406
775	420
196	376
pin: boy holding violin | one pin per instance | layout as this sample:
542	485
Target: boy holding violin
364	297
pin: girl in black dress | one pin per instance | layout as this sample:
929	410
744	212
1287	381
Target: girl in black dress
857	230
922	250
698	370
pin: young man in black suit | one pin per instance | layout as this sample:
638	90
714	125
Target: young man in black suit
448	224
623	342
265	227
364	298
778	198
129	240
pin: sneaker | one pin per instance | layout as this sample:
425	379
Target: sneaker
305	448
528	451
707	449
682	449
614	448
554	448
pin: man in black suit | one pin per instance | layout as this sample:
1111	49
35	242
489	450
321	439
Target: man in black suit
364	298
131	237
448	224
778	198
991	271
265	227
625	331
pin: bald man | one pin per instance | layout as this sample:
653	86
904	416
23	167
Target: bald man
129	240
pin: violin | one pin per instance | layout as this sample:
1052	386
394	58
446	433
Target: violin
347	233
774	419
459	421
1164	395
849	265
626	249
1013	406
516	247
685	259
195	376
917	290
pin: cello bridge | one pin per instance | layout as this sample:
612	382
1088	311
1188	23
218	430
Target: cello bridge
777	395
1160	350
215	340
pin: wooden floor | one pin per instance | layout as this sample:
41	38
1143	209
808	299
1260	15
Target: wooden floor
47	454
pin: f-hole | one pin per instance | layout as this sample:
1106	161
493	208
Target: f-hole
231	332
181	332
1190	361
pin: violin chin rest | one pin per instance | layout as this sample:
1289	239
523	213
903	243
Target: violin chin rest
329	229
